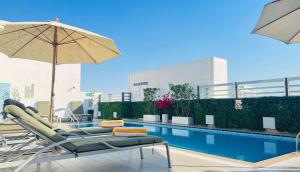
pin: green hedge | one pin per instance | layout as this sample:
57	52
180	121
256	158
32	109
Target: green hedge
107	109
285	110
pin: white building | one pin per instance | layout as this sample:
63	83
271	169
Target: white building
30	81
207	71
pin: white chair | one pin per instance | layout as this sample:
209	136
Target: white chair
64	113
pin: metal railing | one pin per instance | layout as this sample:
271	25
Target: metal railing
280	87
115	97
216	91
248	89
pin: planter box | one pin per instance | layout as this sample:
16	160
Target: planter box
115	115
269	123
151	118
209	120
182	120
164	118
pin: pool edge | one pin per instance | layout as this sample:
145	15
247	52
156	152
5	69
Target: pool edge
234	162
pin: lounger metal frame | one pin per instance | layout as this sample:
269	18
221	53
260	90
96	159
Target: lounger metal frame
63	153
14	144
5	141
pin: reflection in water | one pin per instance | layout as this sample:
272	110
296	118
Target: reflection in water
210	139
153	129
270	148
240	157
247	147
182	133
164	131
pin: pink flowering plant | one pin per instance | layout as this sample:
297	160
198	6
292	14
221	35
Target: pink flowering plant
164	103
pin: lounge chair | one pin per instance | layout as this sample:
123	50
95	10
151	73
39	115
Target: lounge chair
73	147
20	141
10	131
66	132
69	131
43	108
9	127
77	109
13	137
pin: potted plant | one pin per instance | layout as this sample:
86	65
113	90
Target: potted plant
183	95
164	104
149	98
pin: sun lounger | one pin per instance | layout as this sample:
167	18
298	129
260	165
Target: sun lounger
10	131
8	127
43	108
66	132
14	137
70	131
73	147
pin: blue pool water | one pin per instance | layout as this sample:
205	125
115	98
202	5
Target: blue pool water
242	146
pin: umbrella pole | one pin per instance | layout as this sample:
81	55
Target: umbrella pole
52	92
53	74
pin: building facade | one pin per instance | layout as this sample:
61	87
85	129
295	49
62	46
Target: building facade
30	81
207	71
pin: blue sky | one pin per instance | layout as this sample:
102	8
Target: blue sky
157	33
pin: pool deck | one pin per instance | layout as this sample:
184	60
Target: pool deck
182	160
129	161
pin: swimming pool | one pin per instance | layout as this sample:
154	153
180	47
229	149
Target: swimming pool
241	146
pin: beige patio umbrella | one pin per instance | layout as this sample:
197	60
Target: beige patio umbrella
55	43
280	20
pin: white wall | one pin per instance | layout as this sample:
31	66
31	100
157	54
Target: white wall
22	73
219	70
200	72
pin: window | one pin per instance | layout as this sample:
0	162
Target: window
29	91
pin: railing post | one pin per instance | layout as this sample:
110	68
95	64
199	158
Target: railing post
99	107
109	97
236	90
123	97
286	86
198	92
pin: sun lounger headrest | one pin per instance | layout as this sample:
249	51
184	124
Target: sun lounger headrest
33	109
13	102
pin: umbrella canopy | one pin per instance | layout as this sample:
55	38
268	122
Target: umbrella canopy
280	20
55	43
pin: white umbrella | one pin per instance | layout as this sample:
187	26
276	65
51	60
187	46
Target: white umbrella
55	43
280	20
